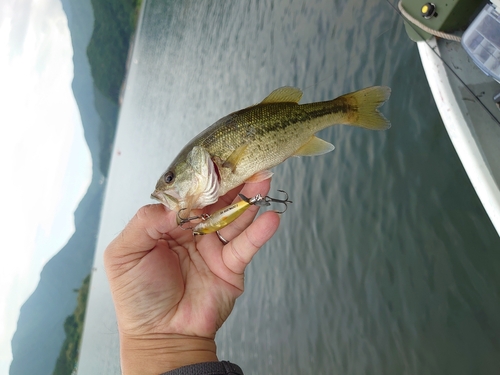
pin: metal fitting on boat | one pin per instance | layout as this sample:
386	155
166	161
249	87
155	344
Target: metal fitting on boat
428	10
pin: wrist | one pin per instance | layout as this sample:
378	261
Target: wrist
158	353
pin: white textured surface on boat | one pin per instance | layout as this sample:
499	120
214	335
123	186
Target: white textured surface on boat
475	134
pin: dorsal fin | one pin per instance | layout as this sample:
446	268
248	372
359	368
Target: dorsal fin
284	94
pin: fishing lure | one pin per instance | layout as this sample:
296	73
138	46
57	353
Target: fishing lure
219	219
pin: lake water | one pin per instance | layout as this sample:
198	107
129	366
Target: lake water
386	262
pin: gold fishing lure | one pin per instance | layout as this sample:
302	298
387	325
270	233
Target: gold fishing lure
225	216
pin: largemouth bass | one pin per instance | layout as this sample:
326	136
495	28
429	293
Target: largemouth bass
245	145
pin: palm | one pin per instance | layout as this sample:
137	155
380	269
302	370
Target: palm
182	284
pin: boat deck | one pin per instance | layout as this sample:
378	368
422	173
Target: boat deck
464	97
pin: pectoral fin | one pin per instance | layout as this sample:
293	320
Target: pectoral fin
315	146
233	159
284	94
260	176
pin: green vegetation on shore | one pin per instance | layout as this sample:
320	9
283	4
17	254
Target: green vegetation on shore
73	327
114	26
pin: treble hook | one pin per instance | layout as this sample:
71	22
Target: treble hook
268	200
181	221
260	201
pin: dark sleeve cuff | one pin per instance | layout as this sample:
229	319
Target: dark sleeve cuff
208	368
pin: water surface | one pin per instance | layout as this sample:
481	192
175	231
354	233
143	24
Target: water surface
386	262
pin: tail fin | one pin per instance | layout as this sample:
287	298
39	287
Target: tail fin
367	102
358	108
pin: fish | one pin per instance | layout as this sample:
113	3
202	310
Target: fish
245	145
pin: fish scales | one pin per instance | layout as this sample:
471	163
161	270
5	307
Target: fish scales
265	128
273	132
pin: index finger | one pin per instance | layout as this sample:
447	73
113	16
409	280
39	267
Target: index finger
143	231
248	189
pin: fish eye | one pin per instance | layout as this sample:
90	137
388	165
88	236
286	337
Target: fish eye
168	177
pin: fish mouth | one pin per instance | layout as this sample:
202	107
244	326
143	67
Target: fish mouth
166	199
156	195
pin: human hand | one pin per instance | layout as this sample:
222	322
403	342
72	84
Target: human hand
172	291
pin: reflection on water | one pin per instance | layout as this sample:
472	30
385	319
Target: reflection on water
386	263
